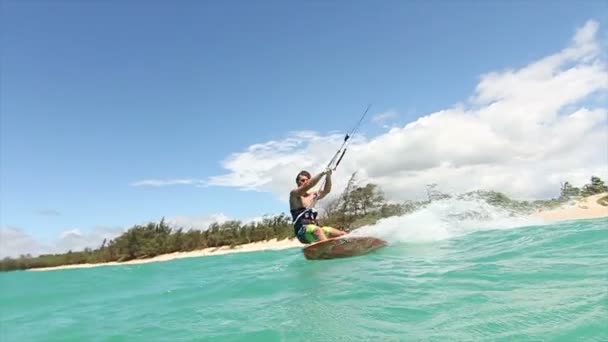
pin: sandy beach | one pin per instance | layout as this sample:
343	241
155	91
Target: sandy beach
595	206
273	244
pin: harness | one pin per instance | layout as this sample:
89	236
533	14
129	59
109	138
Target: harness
302	217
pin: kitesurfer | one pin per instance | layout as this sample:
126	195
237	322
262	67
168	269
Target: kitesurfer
301	205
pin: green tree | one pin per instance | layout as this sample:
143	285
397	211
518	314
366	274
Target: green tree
568	191
596	186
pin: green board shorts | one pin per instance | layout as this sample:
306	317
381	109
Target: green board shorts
306	233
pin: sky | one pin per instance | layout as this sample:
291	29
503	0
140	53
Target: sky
117	113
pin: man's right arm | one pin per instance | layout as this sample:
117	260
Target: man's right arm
301	190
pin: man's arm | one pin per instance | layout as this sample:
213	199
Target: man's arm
327	188
301	190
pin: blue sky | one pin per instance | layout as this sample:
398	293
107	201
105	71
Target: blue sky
98	95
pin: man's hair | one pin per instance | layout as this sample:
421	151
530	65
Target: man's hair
303	173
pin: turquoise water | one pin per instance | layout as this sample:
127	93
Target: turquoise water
529	283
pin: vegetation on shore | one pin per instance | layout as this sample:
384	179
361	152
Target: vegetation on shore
355	207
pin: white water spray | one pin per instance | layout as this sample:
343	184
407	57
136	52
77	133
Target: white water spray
446	219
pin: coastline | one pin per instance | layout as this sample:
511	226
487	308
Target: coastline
272	244
590	207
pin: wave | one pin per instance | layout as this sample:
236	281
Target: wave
446	219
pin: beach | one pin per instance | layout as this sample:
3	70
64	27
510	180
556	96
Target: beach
595	206
272	244
590	207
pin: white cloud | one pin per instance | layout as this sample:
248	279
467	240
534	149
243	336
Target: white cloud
15	242
167	182
523	131
76	240
196	222
384	116
271	165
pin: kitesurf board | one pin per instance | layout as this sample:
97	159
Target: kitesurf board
342	247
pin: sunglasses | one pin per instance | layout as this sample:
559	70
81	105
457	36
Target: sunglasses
302	179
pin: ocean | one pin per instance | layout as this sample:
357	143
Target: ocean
452	272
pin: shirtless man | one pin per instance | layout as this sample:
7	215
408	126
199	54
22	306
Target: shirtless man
304	217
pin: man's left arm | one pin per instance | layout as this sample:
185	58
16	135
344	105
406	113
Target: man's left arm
327	188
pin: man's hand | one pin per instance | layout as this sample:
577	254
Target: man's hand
327	188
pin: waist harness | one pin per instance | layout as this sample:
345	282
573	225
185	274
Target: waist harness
303	216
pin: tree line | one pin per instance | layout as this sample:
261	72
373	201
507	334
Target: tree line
596	186
355	207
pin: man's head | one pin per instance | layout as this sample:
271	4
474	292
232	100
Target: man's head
302	177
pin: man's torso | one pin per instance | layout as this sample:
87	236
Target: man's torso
297	202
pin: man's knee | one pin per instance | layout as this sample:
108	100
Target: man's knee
333	231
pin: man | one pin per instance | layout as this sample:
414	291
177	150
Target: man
304	217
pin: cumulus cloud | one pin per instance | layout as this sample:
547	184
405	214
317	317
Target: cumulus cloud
271	165
523	131
196	222
15	242
76	240
167	182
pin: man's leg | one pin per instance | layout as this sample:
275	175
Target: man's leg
333	232
319	233
315	233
